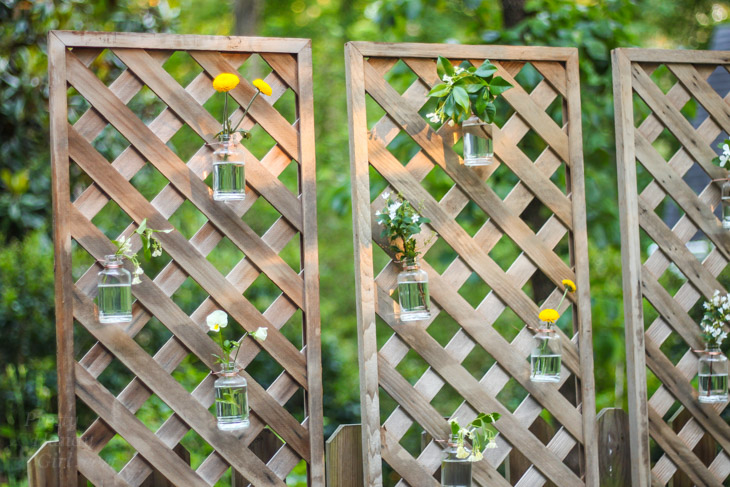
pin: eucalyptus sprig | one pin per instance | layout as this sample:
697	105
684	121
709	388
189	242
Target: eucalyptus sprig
717	316
480	433
151	247
400	222
216	321
466	90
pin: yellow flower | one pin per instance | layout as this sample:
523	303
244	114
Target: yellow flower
549	315
225	82
569	285
263	86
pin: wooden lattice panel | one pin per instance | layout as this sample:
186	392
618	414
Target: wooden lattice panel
141	60
552	180
661	345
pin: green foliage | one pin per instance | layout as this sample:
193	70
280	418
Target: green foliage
466	90
400	223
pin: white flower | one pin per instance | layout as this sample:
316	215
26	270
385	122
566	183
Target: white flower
385	195
393	208
716	301
138	271
491	444
717	292
156	252
433	117
476	456
216	320
461	452
260	333
447	78
136	280
706	305
451	123
121	240
459	70
415	218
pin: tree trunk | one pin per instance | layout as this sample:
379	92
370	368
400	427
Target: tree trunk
513	11
248	13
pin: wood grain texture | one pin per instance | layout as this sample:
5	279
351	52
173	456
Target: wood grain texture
614	452
344	457
144	56
678	460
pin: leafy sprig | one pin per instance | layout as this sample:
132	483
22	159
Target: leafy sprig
216	321
480	433
400	222
717	315
722	159
466	90
151	247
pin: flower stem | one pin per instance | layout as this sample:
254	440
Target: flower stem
246	110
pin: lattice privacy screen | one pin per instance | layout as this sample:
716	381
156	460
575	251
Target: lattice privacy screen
668	118
129	143
504	234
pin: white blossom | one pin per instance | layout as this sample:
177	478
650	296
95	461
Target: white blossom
136	280
385	195
138	271
261	333
156	252
476	456
216	320
459	70
451	123
447	78
433	117
461	452
415	218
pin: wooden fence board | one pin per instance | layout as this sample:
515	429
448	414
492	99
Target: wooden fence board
445	370
144	56
636	77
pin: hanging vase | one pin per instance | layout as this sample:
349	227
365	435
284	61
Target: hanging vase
712	375
114	298
415	302
231	399
478	142
545	359
455	471
229	177
725	198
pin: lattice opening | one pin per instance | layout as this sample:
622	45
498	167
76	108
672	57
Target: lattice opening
263	369
115	376
110	143
443	328
512	395
189	145
261	216
149	181
555	110
471	218
661	76
374	112
77	105
474	290
478	362
153	336
504	252
437	183
291	253
187	219
290	177
286	106
528	77
82	261
508	324
532	145
146	105
254	67
154	412
112	220
674	348
502	180
117	453
403	147
191	372
199	449
225	256
440	255
106	65
400	76
412	367
181	66
262	292
666	144
295	405
189	296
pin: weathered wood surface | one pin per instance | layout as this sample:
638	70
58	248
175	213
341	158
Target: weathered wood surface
344	457
367	65
681	458
155	460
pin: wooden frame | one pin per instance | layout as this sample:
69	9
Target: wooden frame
632	70
70	55
367	63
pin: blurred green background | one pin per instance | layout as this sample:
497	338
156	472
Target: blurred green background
27	351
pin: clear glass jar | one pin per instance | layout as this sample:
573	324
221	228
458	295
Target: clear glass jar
114	299
478	142
231	399
712	376
546	360
415	302
455	471
725	198
229	169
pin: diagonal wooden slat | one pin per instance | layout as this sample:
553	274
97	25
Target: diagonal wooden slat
705	94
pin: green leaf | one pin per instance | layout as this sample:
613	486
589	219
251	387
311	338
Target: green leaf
461	98
486	70
445	67
491	111
473	87
454	427
142	227
499	85
146	247
450	106
481	107
440	90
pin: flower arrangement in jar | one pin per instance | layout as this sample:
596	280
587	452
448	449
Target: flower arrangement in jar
546	356
712	365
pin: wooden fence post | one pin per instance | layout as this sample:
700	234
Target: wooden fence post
614	454
344	457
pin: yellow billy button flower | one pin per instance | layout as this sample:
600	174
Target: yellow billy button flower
225	82
549	315
569	285
263	87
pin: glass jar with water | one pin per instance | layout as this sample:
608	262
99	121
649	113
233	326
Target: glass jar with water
413	297
455	471
114	299
229	177
478	142
545	359
712	376
231	399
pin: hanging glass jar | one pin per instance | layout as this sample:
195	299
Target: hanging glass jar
455	471
231	399
229	177
725	199
545	359
712	375
478	142
415	302
114	299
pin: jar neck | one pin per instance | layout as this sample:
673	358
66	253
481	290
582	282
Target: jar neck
229	369
410	263
547	327
713	349
113	261
473	120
